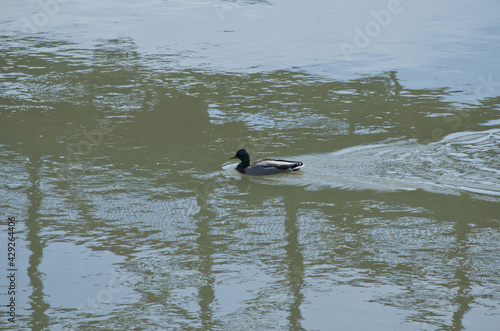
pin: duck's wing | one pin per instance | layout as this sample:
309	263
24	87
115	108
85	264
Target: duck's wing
278	164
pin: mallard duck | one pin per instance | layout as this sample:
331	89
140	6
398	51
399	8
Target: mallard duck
264	166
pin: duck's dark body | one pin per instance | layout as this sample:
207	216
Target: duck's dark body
264	166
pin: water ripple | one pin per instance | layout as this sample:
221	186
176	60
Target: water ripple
461	162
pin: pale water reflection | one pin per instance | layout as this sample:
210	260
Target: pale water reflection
117	121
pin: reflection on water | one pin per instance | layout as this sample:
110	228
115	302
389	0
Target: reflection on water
116	165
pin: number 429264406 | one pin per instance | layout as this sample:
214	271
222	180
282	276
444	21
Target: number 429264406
11	245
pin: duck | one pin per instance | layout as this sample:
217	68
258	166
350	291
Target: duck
264	166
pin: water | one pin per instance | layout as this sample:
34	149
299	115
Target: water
461	162
118	120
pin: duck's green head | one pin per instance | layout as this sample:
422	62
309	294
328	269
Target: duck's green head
242	154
